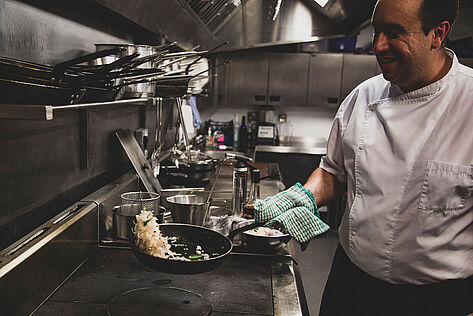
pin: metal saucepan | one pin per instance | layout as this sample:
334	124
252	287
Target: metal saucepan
260	243
123	220
184	240
153	51
148	54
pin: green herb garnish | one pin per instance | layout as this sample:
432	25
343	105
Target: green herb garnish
147	221
195	256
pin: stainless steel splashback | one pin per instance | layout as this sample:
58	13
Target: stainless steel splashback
34	266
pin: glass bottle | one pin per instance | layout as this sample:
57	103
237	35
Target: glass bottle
249	209
243	135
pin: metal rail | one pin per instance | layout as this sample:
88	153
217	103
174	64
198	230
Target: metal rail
46	112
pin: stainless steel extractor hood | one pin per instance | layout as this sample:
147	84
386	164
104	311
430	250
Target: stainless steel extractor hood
245	23
257	23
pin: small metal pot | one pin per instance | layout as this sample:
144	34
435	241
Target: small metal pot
124	220
123	217
189	208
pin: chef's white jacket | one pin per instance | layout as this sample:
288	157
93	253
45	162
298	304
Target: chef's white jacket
407	159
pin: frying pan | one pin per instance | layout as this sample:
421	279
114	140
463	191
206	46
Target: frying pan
187	237
17	89
170	175
40	71
29	83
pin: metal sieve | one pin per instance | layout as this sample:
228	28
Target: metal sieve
137	201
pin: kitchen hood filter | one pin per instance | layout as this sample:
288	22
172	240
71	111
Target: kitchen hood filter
213	12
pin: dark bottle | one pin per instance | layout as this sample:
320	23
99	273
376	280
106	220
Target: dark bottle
249	209
240	180
243	135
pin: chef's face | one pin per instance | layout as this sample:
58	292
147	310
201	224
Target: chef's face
400	45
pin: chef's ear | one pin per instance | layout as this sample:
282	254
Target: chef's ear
439	33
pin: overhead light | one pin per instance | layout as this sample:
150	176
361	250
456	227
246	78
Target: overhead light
276	10
321	3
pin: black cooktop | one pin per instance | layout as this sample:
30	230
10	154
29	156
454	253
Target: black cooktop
114	282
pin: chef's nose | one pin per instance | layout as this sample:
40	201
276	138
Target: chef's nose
380	43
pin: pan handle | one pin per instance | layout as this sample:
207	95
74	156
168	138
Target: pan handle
210	68
58	70
117	63
235	232
204	55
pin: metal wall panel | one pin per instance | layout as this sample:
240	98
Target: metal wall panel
325	79
248	79
356	69
219	82
288	77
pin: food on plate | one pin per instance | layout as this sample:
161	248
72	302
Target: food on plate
148	239
265	231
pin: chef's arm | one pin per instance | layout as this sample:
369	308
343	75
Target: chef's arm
324	186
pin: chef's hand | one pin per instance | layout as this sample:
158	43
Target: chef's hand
276	205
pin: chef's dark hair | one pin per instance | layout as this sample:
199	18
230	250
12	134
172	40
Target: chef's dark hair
432	12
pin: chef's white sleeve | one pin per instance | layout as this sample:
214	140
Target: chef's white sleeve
333	161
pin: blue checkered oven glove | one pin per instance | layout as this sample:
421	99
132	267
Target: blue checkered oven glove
295	209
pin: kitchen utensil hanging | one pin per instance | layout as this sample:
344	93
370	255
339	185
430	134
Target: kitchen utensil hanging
158	141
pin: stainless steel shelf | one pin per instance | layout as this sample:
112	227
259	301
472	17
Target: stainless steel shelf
292	149
46	112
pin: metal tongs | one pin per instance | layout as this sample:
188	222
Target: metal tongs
184	130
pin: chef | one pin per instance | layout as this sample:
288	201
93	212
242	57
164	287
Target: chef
401	147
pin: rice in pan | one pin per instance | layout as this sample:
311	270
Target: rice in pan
148	238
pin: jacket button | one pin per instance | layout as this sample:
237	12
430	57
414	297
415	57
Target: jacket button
361	147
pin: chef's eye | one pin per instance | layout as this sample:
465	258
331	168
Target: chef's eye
393	34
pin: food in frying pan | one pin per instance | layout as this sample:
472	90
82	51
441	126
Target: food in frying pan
148	239
265	231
